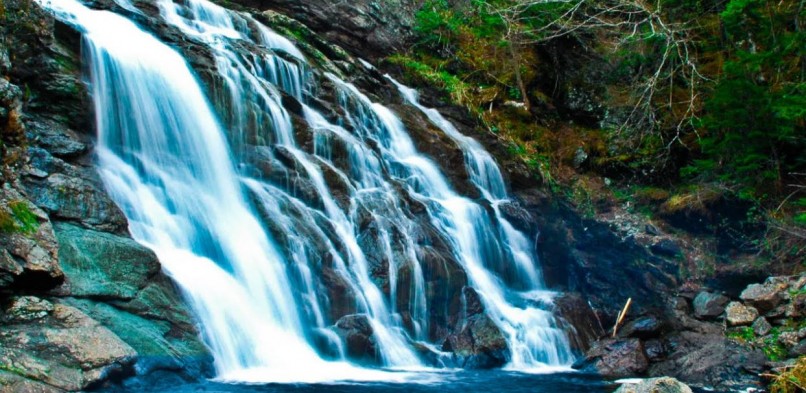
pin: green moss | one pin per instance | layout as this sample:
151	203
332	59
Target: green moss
745	334
18	218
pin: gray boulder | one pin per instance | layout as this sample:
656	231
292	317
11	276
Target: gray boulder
765	296
709	305
655	385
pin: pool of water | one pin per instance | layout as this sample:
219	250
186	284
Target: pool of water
421	382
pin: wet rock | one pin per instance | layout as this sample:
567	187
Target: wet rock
102	264
666	247
615	358
761	327
709	305
644	327
655	385
478	345
737	314
585	327
76	199
765	296
359	338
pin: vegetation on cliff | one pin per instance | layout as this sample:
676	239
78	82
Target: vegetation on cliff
685	103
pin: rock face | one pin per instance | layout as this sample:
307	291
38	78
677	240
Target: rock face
372	28
81	303
655	385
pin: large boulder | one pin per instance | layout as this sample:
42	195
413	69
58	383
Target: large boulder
709	305
478	342
359	338
615	358
655	385
705	357
100	264
58	345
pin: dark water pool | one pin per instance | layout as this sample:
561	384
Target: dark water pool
442	382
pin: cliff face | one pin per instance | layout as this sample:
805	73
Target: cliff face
80	301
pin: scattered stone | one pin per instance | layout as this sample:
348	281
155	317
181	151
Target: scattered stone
580	156
26	308
709	305
666	247
737	314
655	385
644	327
761	327
615	358
765	296
788	339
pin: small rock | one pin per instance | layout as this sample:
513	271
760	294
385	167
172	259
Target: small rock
802	333
651	230
580	156
761	327
767	296
777	312
709	305
655	385
737	314
27	308
788	339
798	350
666	247
654	350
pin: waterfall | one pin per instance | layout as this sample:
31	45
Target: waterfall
251	216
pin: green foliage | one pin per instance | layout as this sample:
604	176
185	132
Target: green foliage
753	127
792	379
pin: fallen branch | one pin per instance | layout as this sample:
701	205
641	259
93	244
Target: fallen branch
621	316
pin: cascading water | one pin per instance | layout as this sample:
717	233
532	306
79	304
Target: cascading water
250	232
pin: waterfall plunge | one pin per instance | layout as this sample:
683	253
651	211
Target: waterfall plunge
164	158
